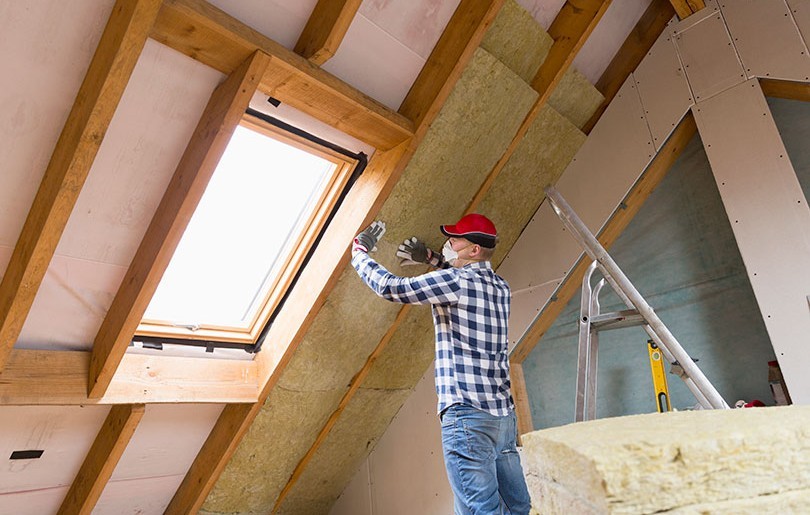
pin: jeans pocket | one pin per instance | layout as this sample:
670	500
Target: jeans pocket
480	437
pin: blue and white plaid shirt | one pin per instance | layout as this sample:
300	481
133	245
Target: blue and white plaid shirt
470	311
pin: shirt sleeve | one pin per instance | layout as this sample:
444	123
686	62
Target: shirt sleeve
437	287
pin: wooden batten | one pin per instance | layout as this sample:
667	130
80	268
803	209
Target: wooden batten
640	40
648	181
98	466
325	29
521	397
686	8
222	114
209	35
109	72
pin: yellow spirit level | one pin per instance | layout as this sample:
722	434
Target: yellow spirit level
659	377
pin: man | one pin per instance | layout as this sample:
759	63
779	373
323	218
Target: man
470	304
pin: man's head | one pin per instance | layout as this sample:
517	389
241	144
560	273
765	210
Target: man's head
472	239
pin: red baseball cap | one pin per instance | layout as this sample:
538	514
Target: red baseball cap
474	227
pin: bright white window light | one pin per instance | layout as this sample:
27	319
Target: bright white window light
250	217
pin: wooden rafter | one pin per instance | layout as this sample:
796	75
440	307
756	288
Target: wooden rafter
366	199
651	177
35	377
98	466
325	29
580	18
221	116
98	97
786	89
640	40
205	33
686	8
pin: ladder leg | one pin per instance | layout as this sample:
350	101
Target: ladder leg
584	347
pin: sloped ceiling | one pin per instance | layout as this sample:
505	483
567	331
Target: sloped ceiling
47	46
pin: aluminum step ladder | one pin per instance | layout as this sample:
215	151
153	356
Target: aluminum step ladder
639	312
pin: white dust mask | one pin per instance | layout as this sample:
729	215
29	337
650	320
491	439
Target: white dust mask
448	253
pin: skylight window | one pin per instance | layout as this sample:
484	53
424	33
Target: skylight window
264	206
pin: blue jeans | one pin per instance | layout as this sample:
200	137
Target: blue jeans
482	462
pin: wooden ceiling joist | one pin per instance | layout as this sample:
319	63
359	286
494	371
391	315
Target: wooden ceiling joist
325	29
640	40
98	466
309	294
213	132
649	180
209	35
117	52
686	8
36	377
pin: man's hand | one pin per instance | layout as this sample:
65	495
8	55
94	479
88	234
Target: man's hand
413	252
367	240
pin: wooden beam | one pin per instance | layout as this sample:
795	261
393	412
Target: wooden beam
221	116
455	47
640	40
520	395
35	377
98	97
572	26
311	291
786	89
98	466
209	35
686	8
648	181
325	29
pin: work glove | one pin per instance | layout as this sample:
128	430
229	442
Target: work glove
367	240
414	252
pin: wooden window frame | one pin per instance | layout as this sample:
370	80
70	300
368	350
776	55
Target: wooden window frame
292	261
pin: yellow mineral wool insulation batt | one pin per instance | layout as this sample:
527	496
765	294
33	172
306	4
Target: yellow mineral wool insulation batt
710	461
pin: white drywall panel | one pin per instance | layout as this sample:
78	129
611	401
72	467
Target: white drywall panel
527	304
543	11
406	469
148	134
709	58
801	15
45	47
376	63
33	502
612	159
280	20
65	433
167	440
663	88
608	36
70	304
417	24
145	496
769	216
767	39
